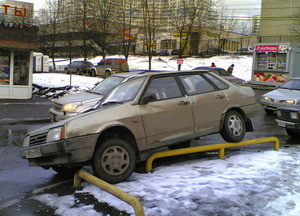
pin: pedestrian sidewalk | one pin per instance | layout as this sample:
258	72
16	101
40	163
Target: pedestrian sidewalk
27	110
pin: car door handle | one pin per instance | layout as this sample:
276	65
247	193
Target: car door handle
220	96
183	102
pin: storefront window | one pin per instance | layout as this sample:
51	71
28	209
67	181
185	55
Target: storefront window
4	67
21	68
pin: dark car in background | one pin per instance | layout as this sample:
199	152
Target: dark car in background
79	67
223	73
175	52
288	117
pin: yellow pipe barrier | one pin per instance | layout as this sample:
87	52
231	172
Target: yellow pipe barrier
131	200
221	147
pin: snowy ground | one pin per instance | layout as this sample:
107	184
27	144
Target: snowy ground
247	183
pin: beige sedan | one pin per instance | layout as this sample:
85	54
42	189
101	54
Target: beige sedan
152	110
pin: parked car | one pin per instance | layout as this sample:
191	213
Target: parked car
223	73
153	110
109	66
79	67
73	104
287	94
163	53
289	118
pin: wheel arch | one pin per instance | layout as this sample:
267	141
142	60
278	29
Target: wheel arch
121	132
248	122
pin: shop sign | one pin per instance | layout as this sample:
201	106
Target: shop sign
271	48
270	77
180	61
16	12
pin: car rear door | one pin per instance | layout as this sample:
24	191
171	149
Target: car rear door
208	102
169	117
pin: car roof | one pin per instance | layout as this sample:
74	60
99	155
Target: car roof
155	72
207	67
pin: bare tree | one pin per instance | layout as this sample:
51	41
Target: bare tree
48	19
152	18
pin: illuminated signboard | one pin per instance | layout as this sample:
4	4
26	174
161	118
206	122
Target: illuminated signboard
271	48
16	12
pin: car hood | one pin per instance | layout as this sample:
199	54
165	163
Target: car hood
79	97
284	94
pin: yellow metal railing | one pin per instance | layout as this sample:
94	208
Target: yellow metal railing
131	200
221	147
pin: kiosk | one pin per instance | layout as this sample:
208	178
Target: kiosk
275	63
17	42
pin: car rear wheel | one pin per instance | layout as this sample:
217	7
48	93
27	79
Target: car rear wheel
114	160
107	74
63	170
67	71
78	72
234	128
293	133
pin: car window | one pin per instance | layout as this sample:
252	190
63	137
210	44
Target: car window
125	92
107	85
219	83
196	84
164	88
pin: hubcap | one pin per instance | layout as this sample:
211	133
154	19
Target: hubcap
115	160
235	125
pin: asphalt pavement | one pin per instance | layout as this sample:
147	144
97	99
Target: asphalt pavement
24	110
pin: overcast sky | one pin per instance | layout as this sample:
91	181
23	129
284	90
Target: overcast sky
240	7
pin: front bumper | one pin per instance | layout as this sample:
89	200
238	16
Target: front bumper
56	115
63	152
287	124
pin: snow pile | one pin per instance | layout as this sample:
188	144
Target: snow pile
249	183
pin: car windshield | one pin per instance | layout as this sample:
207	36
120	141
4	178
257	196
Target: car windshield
107	85
125	92
293	84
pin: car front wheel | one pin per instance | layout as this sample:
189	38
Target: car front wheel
114	160
93	73
234	128
293	133
107	74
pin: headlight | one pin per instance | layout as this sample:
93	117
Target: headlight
278	113
266	98
56	134
289	101
26	141
71	106
294	115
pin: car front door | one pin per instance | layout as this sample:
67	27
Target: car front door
168	118
208	102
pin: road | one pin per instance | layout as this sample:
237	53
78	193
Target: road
18	181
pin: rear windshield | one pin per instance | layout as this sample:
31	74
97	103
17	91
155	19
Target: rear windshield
107	85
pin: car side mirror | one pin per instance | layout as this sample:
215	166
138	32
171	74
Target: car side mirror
148	99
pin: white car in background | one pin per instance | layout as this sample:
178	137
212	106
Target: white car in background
287	94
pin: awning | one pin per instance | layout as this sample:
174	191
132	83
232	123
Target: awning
17	45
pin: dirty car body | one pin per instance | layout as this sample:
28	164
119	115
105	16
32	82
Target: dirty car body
153	110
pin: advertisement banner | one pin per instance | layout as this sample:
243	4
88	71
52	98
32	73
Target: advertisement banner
271	48
270	77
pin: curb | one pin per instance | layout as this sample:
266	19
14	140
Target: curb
20	120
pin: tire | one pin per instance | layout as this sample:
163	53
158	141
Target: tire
293	133
234	128
93	73
67	71
114	160
78	72
185	144
268	111
62	170
107	74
